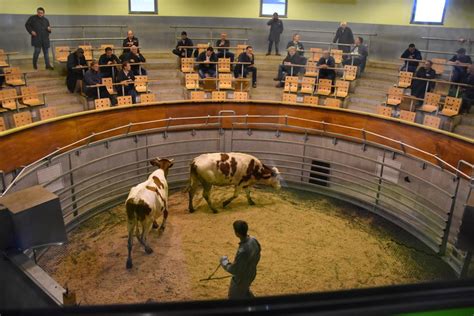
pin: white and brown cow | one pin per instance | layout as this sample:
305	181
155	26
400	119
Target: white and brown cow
222	169
146	202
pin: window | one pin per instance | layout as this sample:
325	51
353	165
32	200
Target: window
268	7
142	6
428	12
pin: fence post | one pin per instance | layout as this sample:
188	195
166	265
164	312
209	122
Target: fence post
444	242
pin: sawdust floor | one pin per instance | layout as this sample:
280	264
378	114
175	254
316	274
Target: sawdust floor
309	243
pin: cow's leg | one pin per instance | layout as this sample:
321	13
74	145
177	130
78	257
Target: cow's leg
191	191
131	229
207	196
236	194
146	226
249	199
155	224
165	217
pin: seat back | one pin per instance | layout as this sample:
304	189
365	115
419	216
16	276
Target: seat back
312	69
219	95
289	97
307	85
61	53
394	95
3	59
102	103
240	49
350	72
452	104
124	100
13	76
291	84
315	53
8	97
310	99
405	79
47	113
439	65
202	47
225	81
342	88
108	84
337	55
407	116
432	121
141	84
87	51
332	102
147	98
104	46
384	110
441	88
324	86
432	99
3	126
22	118
192	81
241	96
198	95
187	65
223	65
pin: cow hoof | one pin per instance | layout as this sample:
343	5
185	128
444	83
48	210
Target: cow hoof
191	210
215	211
225	203
148	250
129	264
251	202
155	225
162	228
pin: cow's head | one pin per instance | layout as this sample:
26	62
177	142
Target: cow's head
162	163
271	177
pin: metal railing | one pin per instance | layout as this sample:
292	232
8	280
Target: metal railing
367	40
213	31
431	214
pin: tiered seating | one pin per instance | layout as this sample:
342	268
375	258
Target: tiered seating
14	77
87	52
241	96
3	59
102	103
332	102
310	99
124	100
407	116
384	110
47	113
394	96
147	98
324	87
431	102
223	65
404	79
315	54
312	69
22	119
202	48
30	96
432	121
141	84
219	95
289	97
439	65
291	84
342	89
61	53
225	81
9	99
192	81
198	95
350	72
109	85
187	65
451	106
3	126
337	55
307	85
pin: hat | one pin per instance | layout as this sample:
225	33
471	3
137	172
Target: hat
461	51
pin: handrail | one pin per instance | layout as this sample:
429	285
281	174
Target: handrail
210	27
447	63
441	52
330	32
327	43
444	39
86	39
216	38
87	26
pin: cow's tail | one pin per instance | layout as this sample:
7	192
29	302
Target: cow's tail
132	218
192	175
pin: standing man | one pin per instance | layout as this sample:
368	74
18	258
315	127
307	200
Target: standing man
244	268
344	36
411	53
39	28
276	28
242	70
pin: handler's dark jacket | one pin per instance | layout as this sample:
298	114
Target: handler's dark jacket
419	86
185	52
74	74
40	26
132	58
416	55
296	59
202	58
276	28
244	267
226	44
344	36
129	43
104	60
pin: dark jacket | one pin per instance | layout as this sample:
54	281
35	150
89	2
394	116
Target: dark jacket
121	76
299	47
460	72
244	267
103	60
412	65
276	28
74	74
344	36
469	92
132	58
419	86
212	58
226	44
40	26
296	59
244	58
129	43
327	73
185	52
330	62
362	51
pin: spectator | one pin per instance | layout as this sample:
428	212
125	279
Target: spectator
297	44
292	58
126	77
358	56
135	57
93	77
130	41
468	93
276	28
75	76
411	53
325	62
344	36
224	42
207	67
460	72
39	28
242	70
109	58
184	41
419	87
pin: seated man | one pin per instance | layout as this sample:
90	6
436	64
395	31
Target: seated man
126	77
135	57
358	56
207	66
242	70
297	44
130	41
92	77
460	72
184	52
419	87
109	58
75	76
326	61
292	58
410	53
468	93
224	53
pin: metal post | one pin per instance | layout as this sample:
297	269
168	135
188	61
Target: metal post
444	242
457	90
466	264
379	185
71	182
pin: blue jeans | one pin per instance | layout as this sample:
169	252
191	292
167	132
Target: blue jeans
45	53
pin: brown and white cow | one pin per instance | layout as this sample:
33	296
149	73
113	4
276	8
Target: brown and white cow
146	202
222	169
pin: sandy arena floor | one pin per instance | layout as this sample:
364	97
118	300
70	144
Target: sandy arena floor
309	243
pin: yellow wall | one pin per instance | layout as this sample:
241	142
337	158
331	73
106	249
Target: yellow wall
460	13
